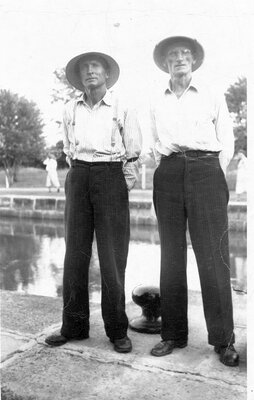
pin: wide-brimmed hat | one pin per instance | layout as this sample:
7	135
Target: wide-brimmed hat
161	48
73	74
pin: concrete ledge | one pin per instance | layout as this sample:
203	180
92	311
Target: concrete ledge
145	220
140	205
22	203
44	204
5	202
40	214
141	211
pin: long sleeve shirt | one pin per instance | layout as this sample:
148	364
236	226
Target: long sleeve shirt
107	132
198	120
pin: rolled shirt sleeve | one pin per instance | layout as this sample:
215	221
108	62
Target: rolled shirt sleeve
132	140
132	137
65	130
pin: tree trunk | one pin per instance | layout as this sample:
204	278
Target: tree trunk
8	178
7	184
15	172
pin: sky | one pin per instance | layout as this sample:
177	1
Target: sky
39	36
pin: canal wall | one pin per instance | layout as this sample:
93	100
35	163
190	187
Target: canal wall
141	211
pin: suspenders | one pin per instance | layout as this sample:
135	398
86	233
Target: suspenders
116	129
73	122
74	114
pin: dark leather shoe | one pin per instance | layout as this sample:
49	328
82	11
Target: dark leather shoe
228	355
122	345
167	346
56	339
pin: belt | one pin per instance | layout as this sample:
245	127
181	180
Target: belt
193	153
81	163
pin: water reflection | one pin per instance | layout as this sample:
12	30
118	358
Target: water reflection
32	255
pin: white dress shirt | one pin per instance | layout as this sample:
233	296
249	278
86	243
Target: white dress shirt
108	132
198	120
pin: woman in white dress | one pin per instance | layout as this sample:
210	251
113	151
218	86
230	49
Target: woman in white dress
51	168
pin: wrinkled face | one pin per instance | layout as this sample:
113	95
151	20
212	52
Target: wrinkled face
179	59
93	72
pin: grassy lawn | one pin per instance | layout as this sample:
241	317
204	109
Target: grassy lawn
32	177
35	177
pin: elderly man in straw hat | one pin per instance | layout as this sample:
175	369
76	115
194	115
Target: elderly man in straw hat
193	143
102	142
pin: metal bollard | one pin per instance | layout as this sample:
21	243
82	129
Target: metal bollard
148	298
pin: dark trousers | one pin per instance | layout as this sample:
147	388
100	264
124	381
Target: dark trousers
96	199
192	187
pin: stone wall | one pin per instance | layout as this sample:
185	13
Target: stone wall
141	212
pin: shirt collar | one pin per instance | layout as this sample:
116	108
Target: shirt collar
192	86
107	99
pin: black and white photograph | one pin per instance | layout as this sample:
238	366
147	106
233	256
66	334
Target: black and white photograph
126	152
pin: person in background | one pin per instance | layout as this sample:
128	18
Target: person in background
241	174
102	141
193	143
51	168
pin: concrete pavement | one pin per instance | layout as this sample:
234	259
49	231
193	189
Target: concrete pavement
90	369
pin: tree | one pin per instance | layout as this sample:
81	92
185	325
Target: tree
63	91
57	150
21	141
236	97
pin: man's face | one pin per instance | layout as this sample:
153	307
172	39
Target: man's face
179	59
93	73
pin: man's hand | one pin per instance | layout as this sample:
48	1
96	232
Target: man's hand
131	171
68	160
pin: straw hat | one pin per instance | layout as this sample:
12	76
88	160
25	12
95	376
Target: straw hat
73	74
161	49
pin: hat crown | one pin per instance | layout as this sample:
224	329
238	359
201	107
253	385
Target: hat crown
73	73
161	48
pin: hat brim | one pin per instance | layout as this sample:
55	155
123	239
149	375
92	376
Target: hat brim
161	48
73	74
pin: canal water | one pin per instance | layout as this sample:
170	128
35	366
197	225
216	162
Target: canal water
32	254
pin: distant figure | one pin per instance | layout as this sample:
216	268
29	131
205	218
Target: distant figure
241	183
51	168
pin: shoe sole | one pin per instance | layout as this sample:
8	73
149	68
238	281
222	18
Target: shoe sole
55	344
